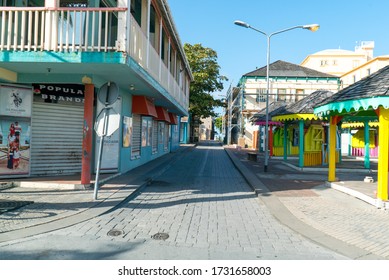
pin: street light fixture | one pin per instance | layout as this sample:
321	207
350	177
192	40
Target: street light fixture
311	27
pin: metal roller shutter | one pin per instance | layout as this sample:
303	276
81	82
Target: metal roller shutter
136	136
56	142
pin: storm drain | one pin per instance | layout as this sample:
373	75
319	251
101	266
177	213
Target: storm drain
160	236
115	232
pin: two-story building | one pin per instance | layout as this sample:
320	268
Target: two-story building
64	63
339	61
288	82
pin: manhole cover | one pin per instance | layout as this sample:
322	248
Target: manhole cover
115	232
160	236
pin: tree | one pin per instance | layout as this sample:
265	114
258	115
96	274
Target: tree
206	79
219	123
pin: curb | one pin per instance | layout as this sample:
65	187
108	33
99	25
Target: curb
375	202
325	169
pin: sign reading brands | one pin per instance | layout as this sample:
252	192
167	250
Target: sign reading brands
57	93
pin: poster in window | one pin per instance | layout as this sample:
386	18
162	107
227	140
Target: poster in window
144	132
161	131
127	131
149	132
15	130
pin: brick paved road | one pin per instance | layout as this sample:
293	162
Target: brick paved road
202	203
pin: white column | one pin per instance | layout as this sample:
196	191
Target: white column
51	25
122	39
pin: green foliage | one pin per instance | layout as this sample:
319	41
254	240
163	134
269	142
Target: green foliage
219	123
206	79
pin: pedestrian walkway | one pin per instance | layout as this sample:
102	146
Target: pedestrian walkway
303	201
57	204
352	177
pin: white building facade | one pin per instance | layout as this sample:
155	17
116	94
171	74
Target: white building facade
288	83
338	61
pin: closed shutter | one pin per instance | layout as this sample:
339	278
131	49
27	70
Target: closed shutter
136	136
56	142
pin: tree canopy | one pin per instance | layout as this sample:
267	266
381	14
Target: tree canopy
206	79
219	123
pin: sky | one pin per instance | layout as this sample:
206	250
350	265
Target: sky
240	50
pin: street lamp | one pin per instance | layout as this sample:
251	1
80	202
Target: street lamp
311	27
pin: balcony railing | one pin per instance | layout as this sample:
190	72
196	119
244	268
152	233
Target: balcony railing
84	29
59	29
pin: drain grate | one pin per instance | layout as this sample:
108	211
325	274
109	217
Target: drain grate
160	236
115	232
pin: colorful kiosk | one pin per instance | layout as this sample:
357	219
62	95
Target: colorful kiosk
260	120
303	131
356	138
364	101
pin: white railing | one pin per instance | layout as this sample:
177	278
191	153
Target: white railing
59	29
141	50
84	29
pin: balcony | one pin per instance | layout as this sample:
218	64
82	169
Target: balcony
93	30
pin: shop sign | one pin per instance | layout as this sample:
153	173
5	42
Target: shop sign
59	93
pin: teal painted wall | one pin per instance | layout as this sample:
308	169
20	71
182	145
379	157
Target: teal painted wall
183	132
125	152
175	137
146	155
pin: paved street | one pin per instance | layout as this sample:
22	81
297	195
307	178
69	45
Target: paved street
199	208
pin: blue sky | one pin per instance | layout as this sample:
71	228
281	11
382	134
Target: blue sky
241	50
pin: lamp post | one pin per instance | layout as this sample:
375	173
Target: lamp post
311	27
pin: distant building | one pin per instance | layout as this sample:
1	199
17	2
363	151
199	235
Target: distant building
206	131
364	70
337	62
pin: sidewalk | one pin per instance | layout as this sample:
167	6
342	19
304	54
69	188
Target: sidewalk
302	201
50	208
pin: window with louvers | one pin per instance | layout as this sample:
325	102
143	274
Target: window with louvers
136	136
155	137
